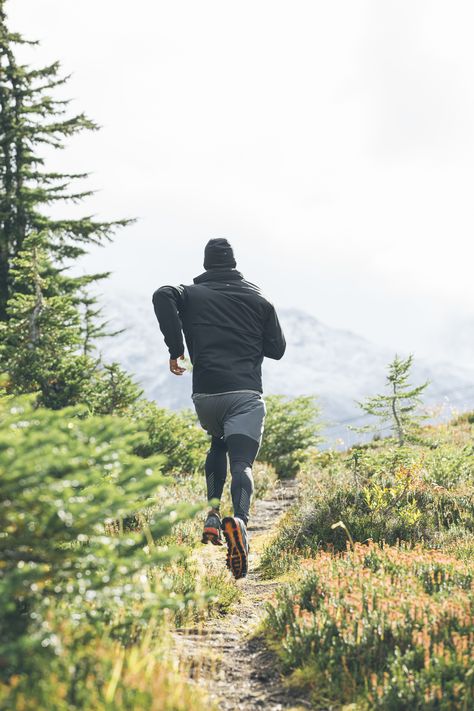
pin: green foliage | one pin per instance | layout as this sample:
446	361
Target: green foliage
285	549
42	333
47	317
214	591
399	406
66	385
111	391
466	417
405	510
40	341
102	675
367	628
381	492
174	435
291	430
30	119
379	546
65	479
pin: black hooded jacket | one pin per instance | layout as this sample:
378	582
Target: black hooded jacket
228	325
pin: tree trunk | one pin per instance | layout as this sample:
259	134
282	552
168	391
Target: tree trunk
396	415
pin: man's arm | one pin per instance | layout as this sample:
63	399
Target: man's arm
274	344
168	301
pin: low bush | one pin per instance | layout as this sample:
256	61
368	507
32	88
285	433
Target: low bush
465	417
111	390
291	433
449	464
175	435
379	546
101	674
379	492
68	583
387	628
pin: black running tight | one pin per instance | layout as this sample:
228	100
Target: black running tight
242	451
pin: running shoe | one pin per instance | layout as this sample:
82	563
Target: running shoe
235	533
212	530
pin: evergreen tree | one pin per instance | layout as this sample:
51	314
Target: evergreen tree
112	391
399	406
65	479
30	120
46	316
40	339
39	343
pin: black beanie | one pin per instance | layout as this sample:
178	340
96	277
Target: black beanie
218	253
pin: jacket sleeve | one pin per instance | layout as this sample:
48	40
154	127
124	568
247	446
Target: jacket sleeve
274	344
168	302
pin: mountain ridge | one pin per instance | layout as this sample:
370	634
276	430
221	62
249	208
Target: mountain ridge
335	365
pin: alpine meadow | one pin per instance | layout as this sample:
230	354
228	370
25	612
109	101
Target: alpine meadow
360	586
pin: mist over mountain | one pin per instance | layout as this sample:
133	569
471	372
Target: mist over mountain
337	366
458	338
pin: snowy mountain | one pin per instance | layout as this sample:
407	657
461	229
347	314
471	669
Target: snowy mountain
337	366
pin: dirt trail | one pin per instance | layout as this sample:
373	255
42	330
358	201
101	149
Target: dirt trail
236	671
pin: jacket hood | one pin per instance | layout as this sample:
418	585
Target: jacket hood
222	274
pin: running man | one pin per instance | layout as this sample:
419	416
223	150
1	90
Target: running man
229	326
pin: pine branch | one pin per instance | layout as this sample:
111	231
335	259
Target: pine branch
48	177
50	70
84	230
31	117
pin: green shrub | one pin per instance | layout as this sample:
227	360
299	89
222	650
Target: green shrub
449	464
64	480
110	391
380	626
286	546
291	431
211	592
383	493
416	516
465	418
365	628
175	435
102	675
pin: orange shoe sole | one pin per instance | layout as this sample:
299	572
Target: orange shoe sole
237	560
211	535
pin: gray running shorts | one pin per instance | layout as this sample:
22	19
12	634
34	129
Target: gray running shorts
224	414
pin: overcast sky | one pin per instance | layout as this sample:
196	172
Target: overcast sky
330	141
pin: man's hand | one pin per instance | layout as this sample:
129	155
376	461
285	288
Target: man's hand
175	368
